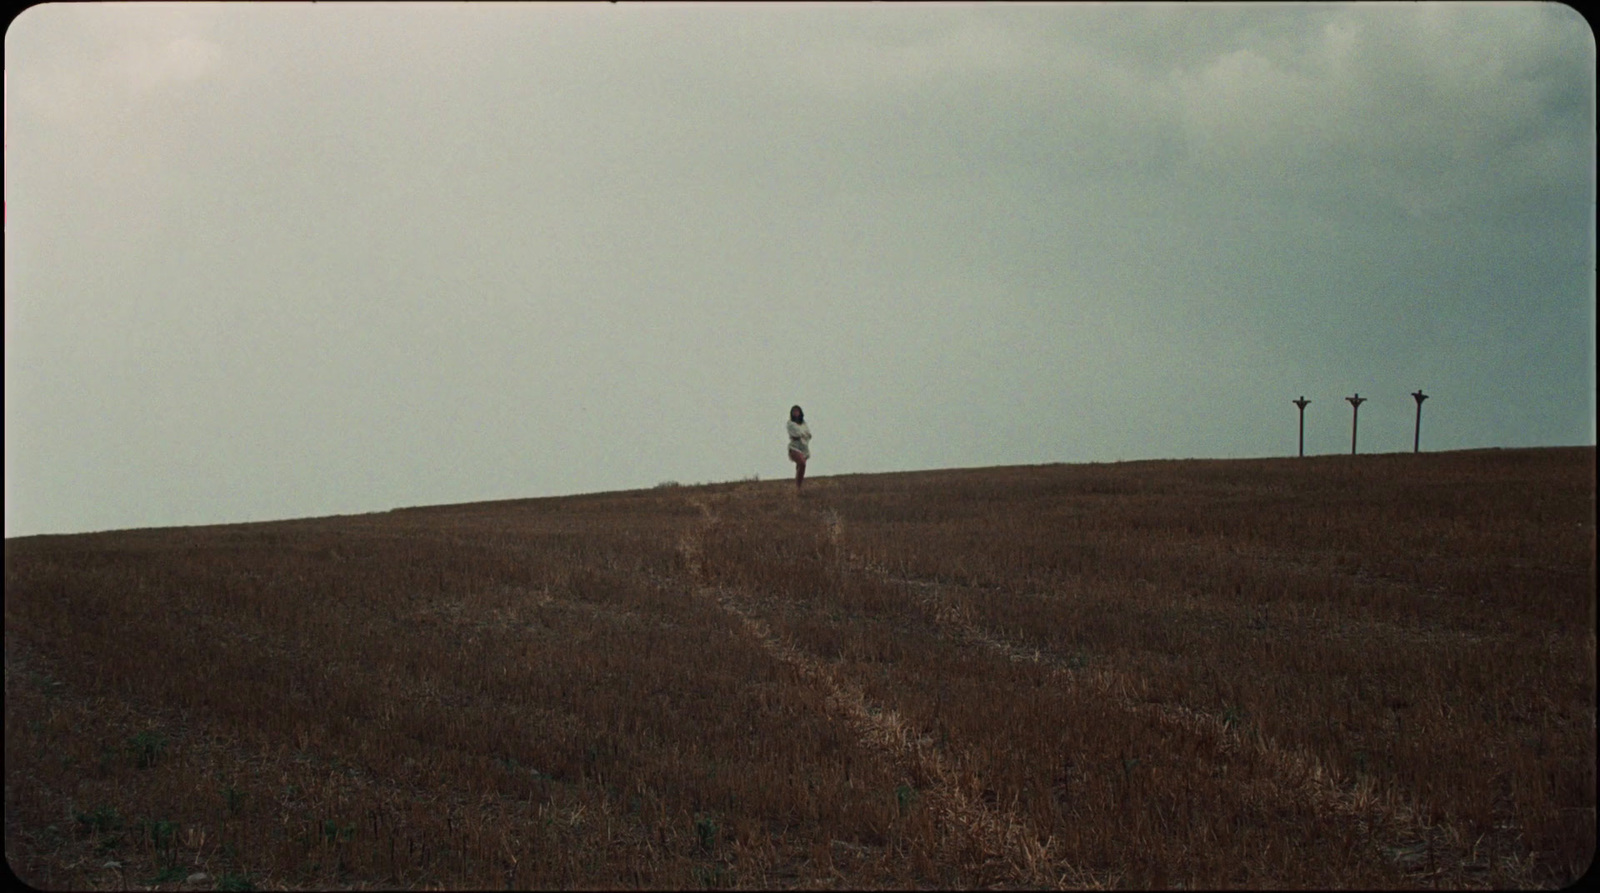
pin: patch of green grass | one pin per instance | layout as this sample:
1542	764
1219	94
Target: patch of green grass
706	829
905	795
101	820
333	832
162	834
236	883
146	748
1232	717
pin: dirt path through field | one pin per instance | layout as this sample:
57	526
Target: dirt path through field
1396	819
1009	849
1394	816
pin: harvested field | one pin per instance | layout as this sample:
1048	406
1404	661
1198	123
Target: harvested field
1367	671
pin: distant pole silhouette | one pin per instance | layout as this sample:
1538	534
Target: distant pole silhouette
1302	404
1355	417
1416	438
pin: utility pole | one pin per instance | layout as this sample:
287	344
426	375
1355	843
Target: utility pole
1355	417
1416	438
1302	404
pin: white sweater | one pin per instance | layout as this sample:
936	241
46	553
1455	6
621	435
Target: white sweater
800	438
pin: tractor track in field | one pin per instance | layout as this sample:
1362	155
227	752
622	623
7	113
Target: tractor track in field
1414	843
1302	775
1408	838
1011	849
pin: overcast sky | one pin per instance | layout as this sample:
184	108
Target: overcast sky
273	260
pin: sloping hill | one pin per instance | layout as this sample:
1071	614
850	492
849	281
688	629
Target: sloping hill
1368	671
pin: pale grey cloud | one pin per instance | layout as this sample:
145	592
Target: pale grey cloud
269	260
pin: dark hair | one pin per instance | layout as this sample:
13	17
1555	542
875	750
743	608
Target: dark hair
796	409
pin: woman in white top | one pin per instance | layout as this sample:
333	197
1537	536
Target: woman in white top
799	444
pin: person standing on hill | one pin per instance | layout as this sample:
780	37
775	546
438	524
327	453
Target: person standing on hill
799	444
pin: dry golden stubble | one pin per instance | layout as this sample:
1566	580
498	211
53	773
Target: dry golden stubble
1315	647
